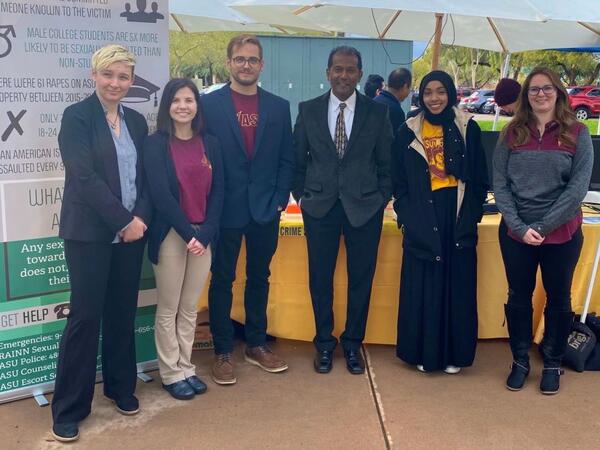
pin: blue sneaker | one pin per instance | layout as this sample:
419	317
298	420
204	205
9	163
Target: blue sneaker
180	390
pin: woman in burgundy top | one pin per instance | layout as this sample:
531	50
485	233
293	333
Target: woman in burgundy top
185	180
542	168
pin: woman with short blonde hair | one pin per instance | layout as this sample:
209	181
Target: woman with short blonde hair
104	216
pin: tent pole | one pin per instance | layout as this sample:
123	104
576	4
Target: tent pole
437	42
178	23
504	74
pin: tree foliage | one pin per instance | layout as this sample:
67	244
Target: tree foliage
574	68
478	68
199	54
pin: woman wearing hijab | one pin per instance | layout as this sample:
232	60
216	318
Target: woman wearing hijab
440	184
542	169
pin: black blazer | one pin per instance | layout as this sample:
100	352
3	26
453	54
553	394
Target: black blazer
91	208
412	192
255	188
361	179
163	186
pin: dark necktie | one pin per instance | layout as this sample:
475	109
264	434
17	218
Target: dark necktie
340	132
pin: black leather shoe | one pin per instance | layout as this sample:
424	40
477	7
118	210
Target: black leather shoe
65	432
354	362
197	384
180	390
323	361
128	406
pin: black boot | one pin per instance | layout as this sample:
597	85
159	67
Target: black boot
556	333
519	323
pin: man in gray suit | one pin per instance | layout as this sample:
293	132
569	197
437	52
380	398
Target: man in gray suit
342	143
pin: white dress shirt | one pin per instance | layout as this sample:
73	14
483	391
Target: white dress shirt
334	109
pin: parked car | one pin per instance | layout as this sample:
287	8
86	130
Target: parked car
585	101
489	107
478	99
462	92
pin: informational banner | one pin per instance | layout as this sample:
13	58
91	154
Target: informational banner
45	60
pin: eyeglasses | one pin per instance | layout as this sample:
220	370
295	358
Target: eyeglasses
240	61
547	90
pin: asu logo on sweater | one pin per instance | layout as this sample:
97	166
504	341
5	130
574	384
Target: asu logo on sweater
247	120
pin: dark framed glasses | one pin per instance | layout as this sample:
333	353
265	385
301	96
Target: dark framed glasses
241	61
547	90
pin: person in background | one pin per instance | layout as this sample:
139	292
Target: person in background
104	215
342	141
506	95
374	85
186	186
440	183
397	89
254	129
542	170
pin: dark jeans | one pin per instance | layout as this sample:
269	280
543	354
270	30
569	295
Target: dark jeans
323	242
557	263
261	243
104	289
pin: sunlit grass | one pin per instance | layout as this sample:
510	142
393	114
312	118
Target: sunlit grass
486	125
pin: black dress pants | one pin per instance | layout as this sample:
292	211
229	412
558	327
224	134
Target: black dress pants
104	290
261	243
323	242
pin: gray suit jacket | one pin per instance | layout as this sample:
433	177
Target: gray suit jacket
361	179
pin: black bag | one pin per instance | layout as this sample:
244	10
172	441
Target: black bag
581	343
593	361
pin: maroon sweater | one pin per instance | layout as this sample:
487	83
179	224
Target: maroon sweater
540	184
194	173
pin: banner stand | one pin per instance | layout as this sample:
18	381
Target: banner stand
45	55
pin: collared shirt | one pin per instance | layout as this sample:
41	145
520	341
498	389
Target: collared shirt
126	161
334	109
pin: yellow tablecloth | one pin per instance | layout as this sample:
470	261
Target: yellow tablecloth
290	312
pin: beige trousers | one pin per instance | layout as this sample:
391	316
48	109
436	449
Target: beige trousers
180	278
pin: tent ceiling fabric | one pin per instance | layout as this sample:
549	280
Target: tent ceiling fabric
502	25
213	15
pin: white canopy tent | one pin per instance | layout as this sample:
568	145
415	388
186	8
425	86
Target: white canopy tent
505	26
502	25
